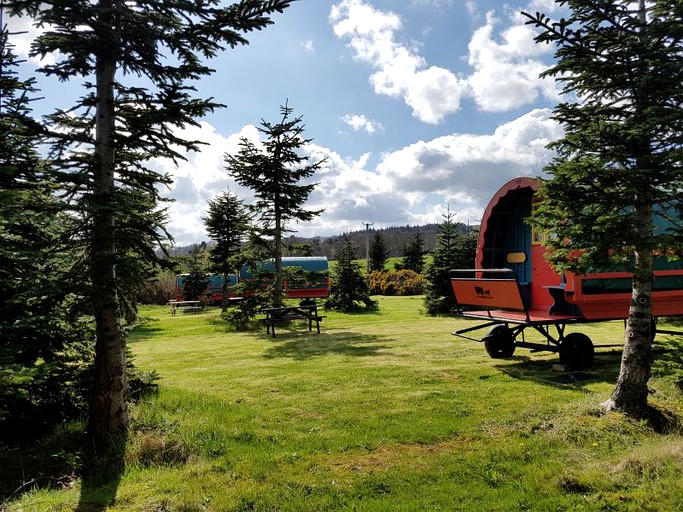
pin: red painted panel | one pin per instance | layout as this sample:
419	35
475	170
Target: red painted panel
543	276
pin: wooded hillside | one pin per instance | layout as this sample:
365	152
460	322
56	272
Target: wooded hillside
395	239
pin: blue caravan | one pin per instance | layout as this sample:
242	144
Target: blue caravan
295	290
214	288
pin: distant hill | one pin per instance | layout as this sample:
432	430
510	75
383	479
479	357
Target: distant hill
395	239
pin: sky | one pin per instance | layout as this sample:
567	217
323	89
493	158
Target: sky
419	107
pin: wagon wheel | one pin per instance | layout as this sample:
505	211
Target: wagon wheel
499	341
576	351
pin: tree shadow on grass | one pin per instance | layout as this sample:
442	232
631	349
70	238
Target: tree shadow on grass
302	346
363	312
57	462
101	476
143	332
605	369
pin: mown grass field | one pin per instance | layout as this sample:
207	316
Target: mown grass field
384	411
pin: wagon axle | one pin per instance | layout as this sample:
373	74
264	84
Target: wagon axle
576	349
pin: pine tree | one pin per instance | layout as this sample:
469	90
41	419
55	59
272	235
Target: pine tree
619	165
228	223
413	254
453	251
275	174
349	289
378	253
103	143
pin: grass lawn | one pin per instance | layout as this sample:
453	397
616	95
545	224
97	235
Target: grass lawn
383	411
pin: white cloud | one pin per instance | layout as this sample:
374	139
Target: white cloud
308	45
360	122
413	185
506	72
505	67
471	164
439	4
432	92
466	170
22	33
472	8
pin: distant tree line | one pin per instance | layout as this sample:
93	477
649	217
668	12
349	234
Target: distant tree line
395	240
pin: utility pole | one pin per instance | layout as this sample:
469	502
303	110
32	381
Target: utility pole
367	244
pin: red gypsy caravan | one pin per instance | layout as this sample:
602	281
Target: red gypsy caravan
513	287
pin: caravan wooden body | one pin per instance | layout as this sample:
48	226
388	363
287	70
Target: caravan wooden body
514	287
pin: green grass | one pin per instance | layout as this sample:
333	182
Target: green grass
383	411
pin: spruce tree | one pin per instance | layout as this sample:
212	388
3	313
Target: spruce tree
228	223
45	336
197	278
349	289
138	62
275	172
453	251
378	253
413	254
618	167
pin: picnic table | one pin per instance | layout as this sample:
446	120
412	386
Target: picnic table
307	312
186	306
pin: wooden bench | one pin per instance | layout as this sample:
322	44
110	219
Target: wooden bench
186	306
308	312
192	309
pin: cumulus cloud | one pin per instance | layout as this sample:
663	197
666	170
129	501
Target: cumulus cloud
360	122
418	183
474	165
22	33
506	73
399	71
505	67
412	185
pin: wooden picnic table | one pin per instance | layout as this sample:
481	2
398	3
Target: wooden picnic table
185	305
307	312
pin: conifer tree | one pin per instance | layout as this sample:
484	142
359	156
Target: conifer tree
228	223
197	278
104	141
453	251
618	171
413	254
275	172
378	253
349	289
45	339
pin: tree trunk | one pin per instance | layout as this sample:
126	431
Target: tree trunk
109	407
277	291
226	298
630	394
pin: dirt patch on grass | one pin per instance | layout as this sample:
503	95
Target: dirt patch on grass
385	457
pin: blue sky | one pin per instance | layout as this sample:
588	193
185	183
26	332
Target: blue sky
418	106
